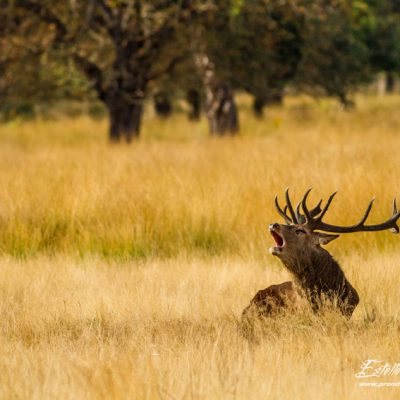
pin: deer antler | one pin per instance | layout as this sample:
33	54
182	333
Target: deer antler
314	222
295	216
281	212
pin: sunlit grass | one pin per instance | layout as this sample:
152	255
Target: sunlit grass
170	329
124	269
64	189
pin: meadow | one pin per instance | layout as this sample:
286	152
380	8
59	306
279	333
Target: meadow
124	269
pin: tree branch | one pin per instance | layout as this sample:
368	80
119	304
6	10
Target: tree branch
46	15
104	7
94	74
169	67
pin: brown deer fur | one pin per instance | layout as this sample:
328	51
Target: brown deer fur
313	268
273	300
315	272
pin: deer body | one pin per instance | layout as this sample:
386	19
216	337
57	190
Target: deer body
314	269
298	245
273	300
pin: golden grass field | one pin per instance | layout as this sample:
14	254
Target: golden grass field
124	269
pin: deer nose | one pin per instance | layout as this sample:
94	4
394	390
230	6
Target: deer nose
274	226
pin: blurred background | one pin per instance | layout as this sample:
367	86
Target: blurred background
303	92
110	58
142	143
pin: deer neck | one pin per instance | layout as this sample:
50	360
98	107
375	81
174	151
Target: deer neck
317	270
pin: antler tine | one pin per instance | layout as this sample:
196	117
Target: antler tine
298	214
281	212
307	213
396	215
285	211
367	211
391	223
316	210
300	217
290	207
328	203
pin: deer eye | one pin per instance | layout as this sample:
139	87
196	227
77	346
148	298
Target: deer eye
300	231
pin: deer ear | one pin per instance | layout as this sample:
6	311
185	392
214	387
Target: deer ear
324	238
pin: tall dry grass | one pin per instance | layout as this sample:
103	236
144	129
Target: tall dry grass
124	269
64	190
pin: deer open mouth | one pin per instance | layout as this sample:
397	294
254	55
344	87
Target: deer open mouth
279	243
278	239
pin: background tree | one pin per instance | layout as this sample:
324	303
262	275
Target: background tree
124	51
380	27
334	57
117	45
30	72
211	42
268	45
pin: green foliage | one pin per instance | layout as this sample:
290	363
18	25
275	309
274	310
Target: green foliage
267	47
57	234
334	56
382	35
81	50
236	7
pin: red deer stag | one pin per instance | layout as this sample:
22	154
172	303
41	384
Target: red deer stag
315	272
273	300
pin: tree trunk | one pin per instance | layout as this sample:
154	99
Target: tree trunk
273	97
390	82
125	121
220	103
345	102
258	106
221	110
194	99
162	105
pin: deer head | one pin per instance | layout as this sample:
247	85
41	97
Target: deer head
298	242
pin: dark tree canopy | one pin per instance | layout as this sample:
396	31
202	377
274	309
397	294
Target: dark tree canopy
268	44
121	52
117	45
